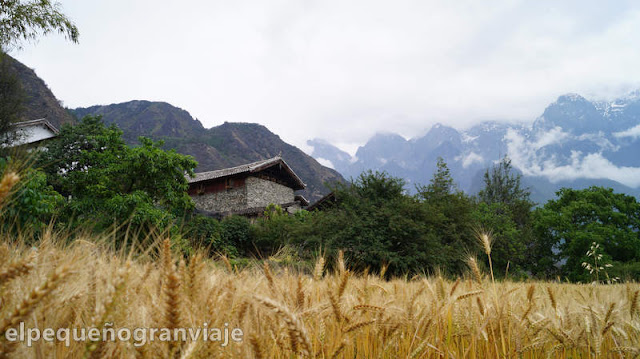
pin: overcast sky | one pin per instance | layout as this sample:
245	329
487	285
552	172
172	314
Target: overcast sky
343	70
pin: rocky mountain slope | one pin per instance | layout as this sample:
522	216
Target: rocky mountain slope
227	145
39	101
574	143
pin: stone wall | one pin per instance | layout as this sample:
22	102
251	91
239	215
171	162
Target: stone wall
261	192
225	201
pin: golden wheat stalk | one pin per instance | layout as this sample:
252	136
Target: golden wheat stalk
256	346
473	264
469	294
341	264
269	275
297	333
368	307
8	181
339	350
106	308
552	298
17	269
172	302
454	287
29	304
300	296
319	269
358	325
344	278
633	304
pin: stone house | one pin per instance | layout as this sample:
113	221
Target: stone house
248	189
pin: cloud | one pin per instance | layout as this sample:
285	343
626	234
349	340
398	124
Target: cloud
343	70
325	162
526	157
633	132
470	159
551	137
594	166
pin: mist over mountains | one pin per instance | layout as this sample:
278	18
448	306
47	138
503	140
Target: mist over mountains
574	143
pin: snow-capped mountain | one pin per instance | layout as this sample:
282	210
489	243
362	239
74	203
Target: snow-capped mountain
574	143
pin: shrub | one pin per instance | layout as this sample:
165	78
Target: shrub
206	232
236	231
33	205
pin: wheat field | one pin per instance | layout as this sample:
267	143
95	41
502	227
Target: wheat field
287	314
61	285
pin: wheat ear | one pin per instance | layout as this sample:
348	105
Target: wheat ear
552	298
171	289
8	181
339	350
28	305
300	296
269	275
473	264
297	333
633	305
319	269
256	346
32	300
17	269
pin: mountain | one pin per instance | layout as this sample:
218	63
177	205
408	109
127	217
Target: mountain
324	150
227	145
575	143
39	101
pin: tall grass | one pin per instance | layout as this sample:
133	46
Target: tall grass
289	314
285	314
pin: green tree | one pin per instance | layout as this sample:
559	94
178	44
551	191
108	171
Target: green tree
579	218
32	205
376	223
236	230
108	182
206	232
508	248
27	20
449	215
503	185
505	210
440	186
273	230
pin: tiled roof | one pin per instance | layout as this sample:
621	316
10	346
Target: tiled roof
41	121
253	167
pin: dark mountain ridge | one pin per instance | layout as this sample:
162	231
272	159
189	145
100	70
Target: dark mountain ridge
39	101
226	145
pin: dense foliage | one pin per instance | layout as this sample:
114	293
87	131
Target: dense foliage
449	214
504	210
107	182
89	177
27	20
33	202
570	224
378	225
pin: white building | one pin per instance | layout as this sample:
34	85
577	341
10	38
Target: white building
32	133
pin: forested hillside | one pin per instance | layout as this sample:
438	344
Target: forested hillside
227	145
